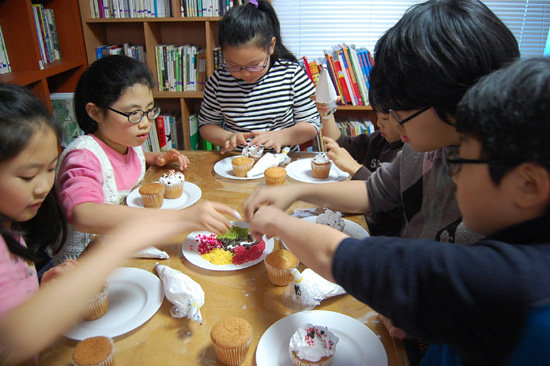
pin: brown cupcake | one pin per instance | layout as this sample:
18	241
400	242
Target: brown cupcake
279	264
98	306
152	195
275	176
320	171
231	338
95	351
241	165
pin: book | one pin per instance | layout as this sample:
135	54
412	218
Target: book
342	81
5	66
54	39
167	131
334	76
360	77
161	133
306	67
64	115
194	131
39	33
352	82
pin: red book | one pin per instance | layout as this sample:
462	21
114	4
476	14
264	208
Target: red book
351	75
334	76
342	81
306	67
161	133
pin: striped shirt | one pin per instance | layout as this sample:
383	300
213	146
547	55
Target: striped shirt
280	99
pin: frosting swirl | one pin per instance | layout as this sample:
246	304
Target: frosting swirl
312	343
172	177
321	158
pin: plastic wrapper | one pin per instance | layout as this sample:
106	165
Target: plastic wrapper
183	292
152	252
269	160
308	289
325	92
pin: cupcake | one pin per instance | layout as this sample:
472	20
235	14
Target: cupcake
98	306
173	183
231	338
320	166
152	195
241	165
312	346
95	351
275	176
279	264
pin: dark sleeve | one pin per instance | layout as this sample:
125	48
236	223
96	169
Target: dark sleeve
361	174
439	292
357	146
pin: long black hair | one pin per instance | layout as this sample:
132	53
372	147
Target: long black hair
21	116
248	23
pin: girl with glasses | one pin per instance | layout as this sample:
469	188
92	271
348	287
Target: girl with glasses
260	95
114	106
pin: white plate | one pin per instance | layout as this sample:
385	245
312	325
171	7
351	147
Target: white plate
135	296
357	344
193	256
301	170
191	194
225	169
351	228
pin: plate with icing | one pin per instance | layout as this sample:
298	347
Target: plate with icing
225	169
357	344
191	194
191	253
301	170
135	295
352	229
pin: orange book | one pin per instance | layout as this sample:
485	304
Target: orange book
314	70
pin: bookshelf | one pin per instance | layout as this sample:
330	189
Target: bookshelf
149	32
17	20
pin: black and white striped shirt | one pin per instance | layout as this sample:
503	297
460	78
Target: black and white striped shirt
280	99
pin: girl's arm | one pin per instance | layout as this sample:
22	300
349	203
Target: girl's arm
58	305
330	128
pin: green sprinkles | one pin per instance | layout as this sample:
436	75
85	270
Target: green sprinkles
235	233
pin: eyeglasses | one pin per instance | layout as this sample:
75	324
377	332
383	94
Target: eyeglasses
137	115
403	121
255	68
454	162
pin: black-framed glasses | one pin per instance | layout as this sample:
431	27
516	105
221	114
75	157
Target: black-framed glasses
137	115
455	162
254	68
394	115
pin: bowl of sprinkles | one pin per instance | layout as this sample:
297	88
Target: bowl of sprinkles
226	252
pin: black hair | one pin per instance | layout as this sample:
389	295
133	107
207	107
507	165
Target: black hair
104	82
508	112
435	52
246	23
22	115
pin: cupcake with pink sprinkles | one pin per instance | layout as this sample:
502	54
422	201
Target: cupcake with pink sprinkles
172	181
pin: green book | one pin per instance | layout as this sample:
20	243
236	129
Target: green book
194	131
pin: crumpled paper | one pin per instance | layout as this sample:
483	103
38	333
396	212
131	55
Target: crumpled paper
308	289
325	92
182	291
269	160
151	252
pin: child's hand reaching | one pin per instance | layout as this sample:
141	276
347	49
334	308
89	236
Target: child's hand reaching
236	139
209	216
268	139
341	156
259	225
172	155
52	273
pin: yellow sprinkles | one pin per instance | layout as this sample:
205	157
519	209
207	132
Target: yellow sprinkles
218	257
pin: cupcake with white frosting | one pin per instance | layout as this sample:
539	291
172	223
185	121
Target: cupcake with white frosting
320	166
172	181
312	345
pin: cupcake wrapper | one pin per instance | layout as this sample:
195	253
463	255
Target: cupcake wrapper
241	170
232	356
98	306
279	277
298	362
274	181
109	361
153	201
320	171
173	190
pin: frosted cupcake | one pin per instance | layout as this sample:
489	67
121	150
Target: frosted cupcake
172	181
312	346
95	351
152	195
320	166
241	165
275	176
231	338
279	265
98	306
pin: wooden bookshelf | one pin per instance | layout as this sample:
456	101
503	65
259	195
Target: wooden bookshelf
150	32
17	21
353	112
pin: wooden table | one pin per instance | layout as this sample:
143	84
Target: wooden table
246	293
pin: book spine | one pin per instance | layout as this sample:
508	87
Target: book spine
306	68
359	76
342	81
351	76
194	131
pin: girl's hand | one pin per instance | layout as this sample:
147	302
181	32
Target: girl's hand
322	108
209	216
236	139
280	197
172	155
259	225
56	271
341	156
273	139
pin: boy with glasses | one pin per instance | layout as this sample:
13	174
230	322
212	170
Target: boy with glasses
472	303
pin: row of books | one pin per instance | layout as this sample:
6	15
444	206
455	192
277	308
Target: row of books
5	65
130	8
197	142
218	58
207	8
180	68
46	30
135	52
348	128
349	69
165	134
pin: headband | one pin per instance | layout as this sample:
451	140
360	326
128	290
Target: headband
254	2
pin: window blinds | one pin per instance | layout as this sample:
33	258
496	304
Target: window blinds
310	26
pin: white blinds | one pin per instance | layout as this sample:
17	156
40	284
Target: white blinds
309	26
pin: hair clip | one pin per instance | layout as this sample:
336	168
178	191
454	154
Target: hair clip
255	2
